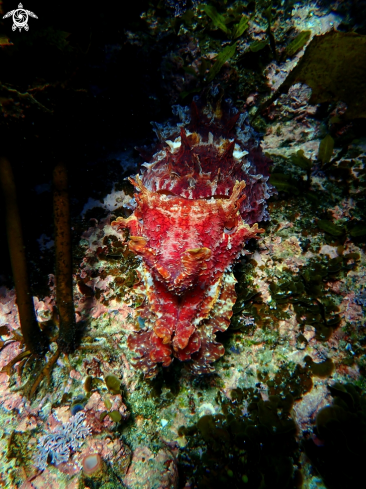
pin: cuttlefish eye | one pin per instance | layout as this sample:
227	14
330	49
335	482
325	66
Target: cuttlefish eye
229	231
230	226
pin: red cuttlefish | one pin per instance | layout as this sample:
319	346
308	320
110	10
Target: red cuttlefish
197	203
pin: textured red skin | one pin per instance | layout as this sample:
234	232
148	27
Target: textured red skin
187	240
211	170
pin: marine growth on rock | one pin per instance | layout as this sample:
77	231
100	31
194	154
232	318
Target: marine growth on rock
197	202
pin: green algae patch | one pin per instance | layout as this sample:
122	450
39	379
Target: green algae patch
291	384
313	305
321	369
115	416
220	22
113	384
331	228
334	67
258	45
221	59
223	449
217	19
326	147
298	43
299	159
358	231
241	27
283	182
107	403
88	383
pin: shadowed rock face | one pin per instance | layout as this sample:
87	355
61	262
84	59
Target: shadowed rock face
195	205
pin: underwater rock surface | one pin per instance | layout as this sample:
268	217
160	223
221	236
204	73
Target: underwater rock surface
285	406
